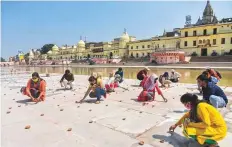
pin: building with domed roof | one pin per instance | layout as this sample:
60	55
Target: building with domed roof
208	35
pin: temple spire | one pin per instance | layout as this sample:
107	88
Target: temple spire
208	11
164	33
124	30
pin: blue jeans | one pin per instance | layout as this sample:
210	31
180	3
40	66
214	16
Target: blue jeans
217	101
98	93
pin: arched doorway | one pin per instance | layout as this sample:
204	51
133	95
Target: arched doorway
88	56
137	55
132	55
111	55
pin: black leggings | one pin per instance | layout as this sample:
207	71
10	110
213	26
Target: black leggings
35	93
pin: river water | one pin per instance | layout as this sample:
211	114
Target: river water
188	75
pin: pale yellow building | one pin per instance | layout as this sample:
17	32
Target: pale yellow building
208	35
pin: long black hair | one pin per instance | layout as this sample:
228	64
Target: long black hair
193	99
188	97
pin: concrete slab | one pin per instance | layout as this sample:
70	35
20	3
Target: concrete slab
142	122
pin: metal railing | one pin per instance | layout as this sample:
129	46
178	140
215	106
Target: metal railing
165	49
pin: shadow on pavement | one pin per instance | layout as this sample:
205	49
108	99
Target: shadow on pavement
174	139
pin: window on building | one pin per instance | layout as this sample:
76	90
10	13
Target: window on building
205	32
223	41
200	41
194	43
127	46
186	34
215	31
148	46
194	33
204	41
214	41
231	40
143	46
137	47
157	45
143	54
131	47
185	43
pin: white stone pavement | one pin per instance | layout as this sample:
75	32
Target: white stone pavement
118	121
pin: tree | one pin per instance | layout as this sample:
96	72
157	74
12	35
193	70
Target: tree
46	48
3	60
26	57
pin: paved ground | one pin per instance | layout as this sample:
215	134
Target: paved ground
118	121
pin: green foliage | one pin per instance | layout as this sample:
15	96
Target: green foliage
194	54
3	60
26	57
46	48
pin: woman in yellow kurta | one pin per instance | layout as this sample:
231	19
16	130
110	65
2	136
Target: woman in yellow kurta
203	122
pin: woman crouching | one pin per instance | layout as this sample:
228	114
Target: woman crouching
202	123
95	90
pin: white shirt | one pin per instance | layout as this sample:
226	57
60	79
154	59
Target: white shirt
175	75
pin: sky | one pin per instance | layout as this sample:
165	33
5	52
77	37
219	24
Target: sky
30	25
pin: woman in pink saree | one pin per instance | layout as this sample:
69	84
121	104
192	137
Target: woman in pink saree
149	88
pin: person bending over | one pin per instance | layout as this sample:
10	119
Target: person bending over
202	123
36	88
67	79
95	90
212	93
120	72
149	89
175	76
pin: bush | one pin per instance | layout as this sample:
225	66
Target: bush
194	54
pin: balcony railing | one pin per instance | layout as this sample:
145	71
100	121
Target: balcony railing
165	49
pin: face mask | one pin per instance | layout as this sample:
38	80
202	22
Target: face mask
35	80
188	106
